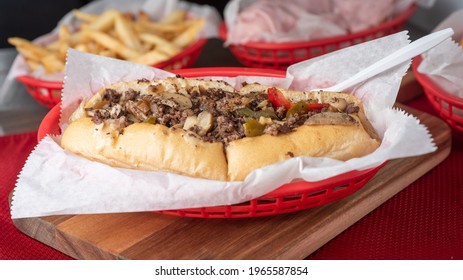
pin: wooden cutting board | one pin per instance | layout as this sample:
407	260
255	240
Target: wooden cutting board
288	236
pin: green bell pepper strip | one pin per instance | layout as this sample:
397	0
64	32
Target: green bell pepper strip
253	128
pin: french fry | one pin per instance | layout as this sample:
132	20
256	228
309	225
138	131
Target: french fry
82	47
189	35
54	46
85	17
94	47
160	28
78	38
34	50
62	52
52	64
160	43
126	34
146	46
112	44
108	53
150	58
63	34
28	53
105	21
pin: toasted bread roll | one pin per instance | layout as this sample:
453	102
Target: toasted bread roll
334	141
147	147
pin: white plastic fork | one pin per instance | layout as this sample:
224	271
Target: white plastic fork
401	55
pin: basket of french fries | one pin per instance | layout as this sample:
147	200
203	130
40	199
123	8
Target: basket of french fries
171	41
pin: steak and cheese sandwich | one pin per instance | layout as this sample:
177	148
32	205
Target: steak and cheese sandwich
208	129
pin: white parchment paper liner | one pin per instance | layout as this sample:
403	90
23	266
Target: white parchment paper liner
155	8
444	63
54	181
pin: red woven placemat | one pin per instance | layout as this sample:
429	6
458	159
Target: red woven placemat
14	245
424	221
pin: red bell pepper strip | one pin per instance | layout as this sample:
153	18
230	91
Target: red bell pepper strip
277	98
317	106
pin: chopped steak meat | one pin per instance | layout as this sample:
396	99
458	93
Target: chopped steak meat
229	112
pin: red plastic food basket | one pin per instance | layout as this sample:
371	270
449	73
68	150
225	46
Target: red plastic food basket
281	55
291	197
445	103
48	93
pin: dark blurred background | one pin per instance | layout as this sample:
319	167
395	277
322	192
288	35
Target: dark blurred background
30	19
